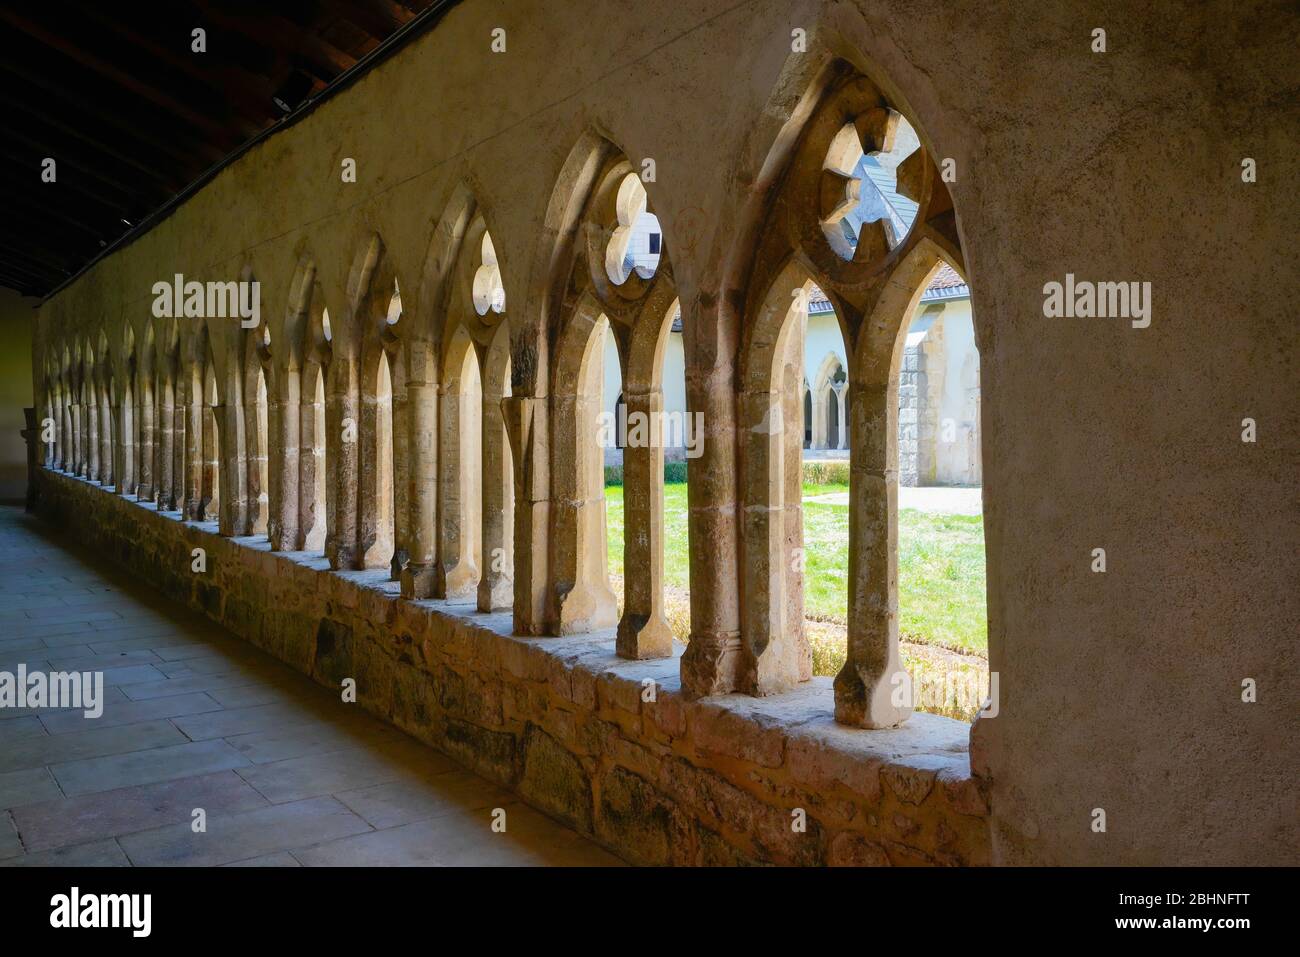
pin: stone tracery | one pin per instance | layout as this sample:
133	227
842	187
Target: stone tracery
434	429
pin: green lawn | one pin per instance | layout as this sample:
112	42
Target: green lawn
940	565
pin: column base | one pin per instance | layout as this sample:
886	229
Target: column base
396	564
866	700
711	665
496	593
644	636
419	580
584	608
459	582
341	558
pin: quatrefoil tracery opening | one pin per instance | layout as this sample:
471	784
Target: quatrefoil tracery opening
866	184
489	293
635	244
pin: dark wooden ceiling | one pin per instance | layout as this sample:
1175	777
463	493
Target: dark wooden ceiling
132	116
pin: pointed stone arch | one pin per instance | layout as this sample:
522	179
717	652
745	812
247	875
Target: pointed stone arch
827	404
581	297
789	236
298	487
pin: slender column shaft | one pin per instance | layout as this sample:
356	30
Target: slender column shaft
871	690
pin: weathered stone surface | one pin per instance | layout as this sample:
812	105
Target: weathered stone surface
911	785
491	753
333	657
555	780
724	732
635	817
854	850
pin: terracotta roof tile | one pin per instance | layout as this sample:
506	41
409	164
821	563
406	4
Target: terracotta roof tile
945	278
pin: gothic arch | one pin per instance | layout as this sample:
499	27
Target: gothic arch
826	404
870	279
595	203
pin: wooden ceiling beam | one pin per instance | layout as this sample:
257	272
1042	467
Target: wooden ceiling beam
49	207
68	158
21	166
38	256
108	70
181	147
377	19
250	93
285	36
42	118
132	118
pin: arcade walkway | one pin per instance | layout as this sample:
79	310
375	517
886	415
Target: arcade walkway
285	773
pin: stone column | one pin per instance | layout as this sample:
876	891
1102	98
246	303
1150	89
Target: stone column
311	463
711	664
52	449
419	574
796	651
400	429
234	470
194	462
70	433
113	411
165	451
342	428
872	690
210	500
527	423
92	439
643	631
179	416
254	445
582	600
144	484
496	587
55	454
842	439
126	449
458	522
106	472
820	424
76	466
769	662
370	471
284	420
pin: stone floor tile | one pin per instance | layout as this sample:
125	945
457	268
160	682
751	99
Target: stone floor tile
28	786
318	774
403	802
146	766
60	748
240	837
462	838
97	854
90	817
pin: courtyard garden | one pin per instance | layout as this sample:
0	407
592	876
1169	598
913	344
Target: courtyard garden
941	585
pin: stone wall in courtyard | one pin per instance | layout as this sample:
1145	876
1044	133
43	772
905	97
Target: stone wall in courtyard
562	721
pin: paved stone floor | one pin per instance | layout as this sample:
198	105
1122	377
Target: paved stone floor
286	773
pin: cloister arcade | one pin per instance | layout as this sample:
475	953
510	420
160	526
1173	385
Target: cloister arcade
455	444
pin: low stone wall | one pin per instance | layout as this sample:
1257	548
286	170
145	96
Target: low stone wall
607	745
